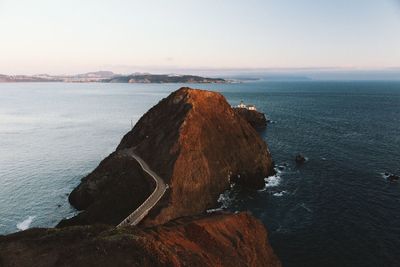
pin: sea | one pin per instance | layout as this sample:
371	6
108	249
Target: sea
336	209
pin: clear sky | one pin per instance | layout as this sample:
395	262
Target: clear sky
71	36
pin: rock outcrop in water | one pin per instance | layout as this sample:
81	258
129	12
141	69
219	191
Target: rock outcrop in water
391	177
216	240
255	118
300	159
197	143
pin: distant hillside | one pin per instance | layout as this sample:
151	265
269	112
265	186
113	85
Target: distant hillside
110	77
96	74
25	78
151	78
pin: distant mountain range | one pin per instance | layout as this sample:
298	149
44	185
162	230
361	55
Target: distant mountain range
110	77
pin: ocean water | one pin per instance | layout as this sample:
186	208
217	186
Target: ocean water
335	210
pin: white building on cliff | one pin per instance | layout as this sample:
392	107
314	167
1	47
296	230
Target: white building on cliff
249	107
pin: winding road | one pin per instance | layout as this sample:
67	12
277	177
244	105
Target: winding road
137	215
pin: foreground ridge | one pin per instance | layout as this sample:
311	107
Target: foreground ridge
218	239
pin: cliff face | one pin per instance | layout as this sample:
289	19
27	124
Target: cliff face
217	240
198	144
255	118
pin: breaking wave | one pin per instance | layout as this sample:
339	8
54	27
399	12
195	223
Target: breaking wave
225	200
273	180
26	223
279	194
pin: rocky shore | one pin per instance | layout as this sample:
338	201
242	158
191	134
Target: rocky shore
253	117
199	146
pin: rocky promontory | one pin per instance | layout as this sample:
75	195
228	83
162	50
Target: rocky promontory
196	142
254	117
198	145
215	240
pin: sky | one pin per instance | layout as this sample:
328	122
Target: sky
70	36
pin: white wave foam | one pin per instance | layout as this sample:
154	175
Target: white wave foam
26	223
225	201
263	189
213	210
279	194
273	181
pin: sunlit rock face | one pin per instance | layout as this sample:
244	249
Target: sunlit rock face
199	145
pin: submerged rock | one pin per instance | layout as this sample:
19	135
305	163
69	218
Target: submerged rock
392	177
192	139
300	159
215	240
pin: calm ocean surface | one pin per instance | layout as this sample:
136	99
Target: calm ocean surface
335	210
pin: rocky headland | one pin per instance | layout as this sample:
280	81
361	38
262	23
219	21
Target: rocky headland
199	146
196	142
254	117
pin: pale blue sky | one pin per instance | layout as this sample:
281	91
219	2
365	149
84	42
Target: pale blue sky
70	36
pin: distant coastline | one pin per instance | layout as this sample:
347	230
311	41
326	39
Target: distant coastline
110	77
